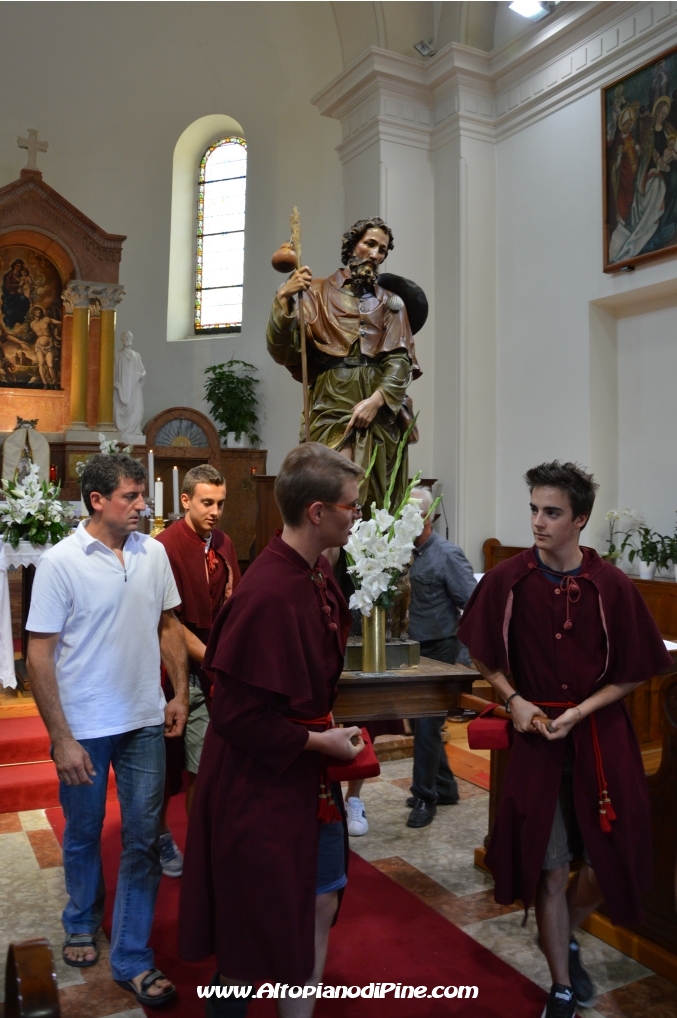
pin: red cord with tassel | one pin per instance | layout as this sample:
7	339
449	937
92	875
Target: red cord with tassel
607	814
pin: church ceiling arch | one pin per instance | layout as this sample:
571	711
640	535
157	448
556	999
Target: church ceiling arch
397	26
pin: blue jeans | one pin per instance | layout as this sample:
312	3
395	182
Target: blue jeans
432	777
138	759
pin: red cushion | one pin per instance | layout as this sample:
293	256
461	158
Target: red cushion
489	733
365	764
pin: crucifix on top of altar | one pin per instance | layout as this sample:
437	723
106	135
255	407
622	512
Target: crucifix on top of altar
59	277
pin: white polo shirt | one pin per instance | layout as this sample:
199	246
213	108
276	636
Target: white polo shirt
107	615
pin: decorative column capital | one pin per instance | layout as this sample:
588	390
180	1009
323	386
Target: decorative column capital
76	295
107	295
83	293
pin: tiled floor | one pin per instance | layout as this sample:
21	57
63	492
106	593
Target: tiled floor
434	863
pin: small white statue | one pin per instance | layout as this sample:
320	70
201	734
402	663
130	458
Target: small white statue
127	396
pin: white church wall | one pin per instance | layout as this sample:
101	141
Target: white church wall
647	416
549	265
113	86
563	360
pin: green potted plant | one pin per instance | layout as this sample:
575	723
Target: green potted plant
230	390
669	543
649	548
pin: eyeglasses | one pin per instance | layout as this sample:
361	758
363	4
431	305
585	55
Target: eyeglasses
356	507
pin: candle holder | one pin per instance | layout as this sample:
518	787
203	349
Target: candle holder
158	526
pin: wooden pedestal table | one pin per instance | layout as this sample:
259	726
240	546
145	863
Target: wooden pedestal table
429	689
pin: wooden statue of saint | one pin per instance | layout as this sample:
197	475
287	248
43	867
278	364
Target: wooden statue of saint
361	356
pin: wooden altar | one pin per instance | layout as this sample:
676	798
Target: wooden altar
653	709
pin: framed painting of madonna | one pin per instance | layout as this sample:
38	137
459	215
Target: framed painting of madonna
639	122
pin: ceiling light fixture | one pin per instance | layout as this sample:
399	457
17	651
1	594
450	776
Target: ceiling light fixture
425	48
533	9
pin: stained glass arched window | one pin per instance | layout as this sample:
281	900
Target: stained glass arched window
220	237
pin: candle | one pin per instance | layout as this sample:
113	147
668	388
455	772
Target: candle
175	489
158	499
151	467
83	509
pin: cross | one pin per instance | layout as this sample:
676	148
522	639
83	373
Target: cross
34	146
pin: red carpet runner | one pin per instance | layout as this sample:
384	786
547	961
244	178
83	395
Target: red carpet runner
384	934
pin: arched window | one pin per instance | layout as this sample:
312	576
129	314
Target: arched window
220	237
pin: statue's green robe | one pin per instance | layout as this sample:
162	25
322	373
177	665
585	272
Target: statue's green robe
355	345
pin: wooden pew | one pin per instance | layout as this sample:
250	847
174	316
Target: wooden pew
30	981
653	709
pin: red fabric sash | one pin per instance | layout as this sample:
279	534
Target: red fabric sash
327	810
607	814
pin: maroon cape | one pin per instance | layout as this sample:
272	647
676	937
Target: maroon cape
249	877
515	623
200	601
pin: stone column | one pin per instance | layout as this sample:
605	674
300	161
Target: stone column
76	299
432	124
107	296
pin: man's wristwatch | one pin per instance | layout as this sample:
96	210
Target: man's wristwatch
511	697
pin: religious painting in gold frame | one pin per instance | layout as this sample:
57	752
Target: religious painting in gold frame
30	319
639	144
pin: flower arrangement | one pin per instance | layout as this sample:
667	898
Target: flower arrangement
379	549
613	517
107	446
33	511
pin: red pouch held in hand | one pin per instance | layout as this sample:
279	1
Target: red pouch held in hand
489	733
365	764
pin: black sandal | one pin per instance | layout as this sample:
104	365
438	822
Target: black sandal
80	940
147	999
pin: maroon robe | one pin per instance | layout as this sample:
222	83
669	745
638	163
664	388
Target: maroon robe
515	623
249	877
201	599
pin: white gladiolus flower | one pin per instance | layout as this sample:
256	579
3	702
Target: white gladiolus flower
380	550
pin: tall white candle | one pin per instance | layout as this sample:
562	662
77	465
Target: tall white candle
159	491
175	489
151	468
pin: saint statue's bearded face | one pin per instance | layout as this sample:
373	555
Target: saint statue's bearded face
369	252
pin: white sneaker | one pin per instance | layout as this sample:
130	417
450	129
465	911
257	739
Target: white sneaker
171	858
357	817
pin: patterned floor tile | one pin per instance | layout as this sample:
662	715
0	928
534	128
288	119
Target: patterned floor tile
46	848
515	944
10	823
652	997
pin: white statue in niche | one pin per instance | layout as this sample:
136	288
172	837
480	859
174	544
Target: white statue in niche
127	396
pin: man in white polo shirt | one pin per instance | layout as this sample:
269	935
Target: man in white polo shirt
101	618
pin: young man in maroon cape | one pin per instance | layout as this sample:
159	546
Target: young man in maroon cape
205	568
559	632
266	851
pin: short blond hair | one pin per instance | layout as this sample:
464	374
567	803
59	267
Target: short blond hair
203	474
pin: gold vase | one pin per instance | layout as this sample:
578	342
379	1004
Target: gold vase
374	641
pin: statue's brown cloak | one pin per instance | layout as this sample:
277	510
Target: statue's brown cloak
514	623
249	877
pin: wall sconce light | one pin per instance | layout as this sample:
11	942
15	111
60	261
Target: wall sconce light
425	48
534	9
